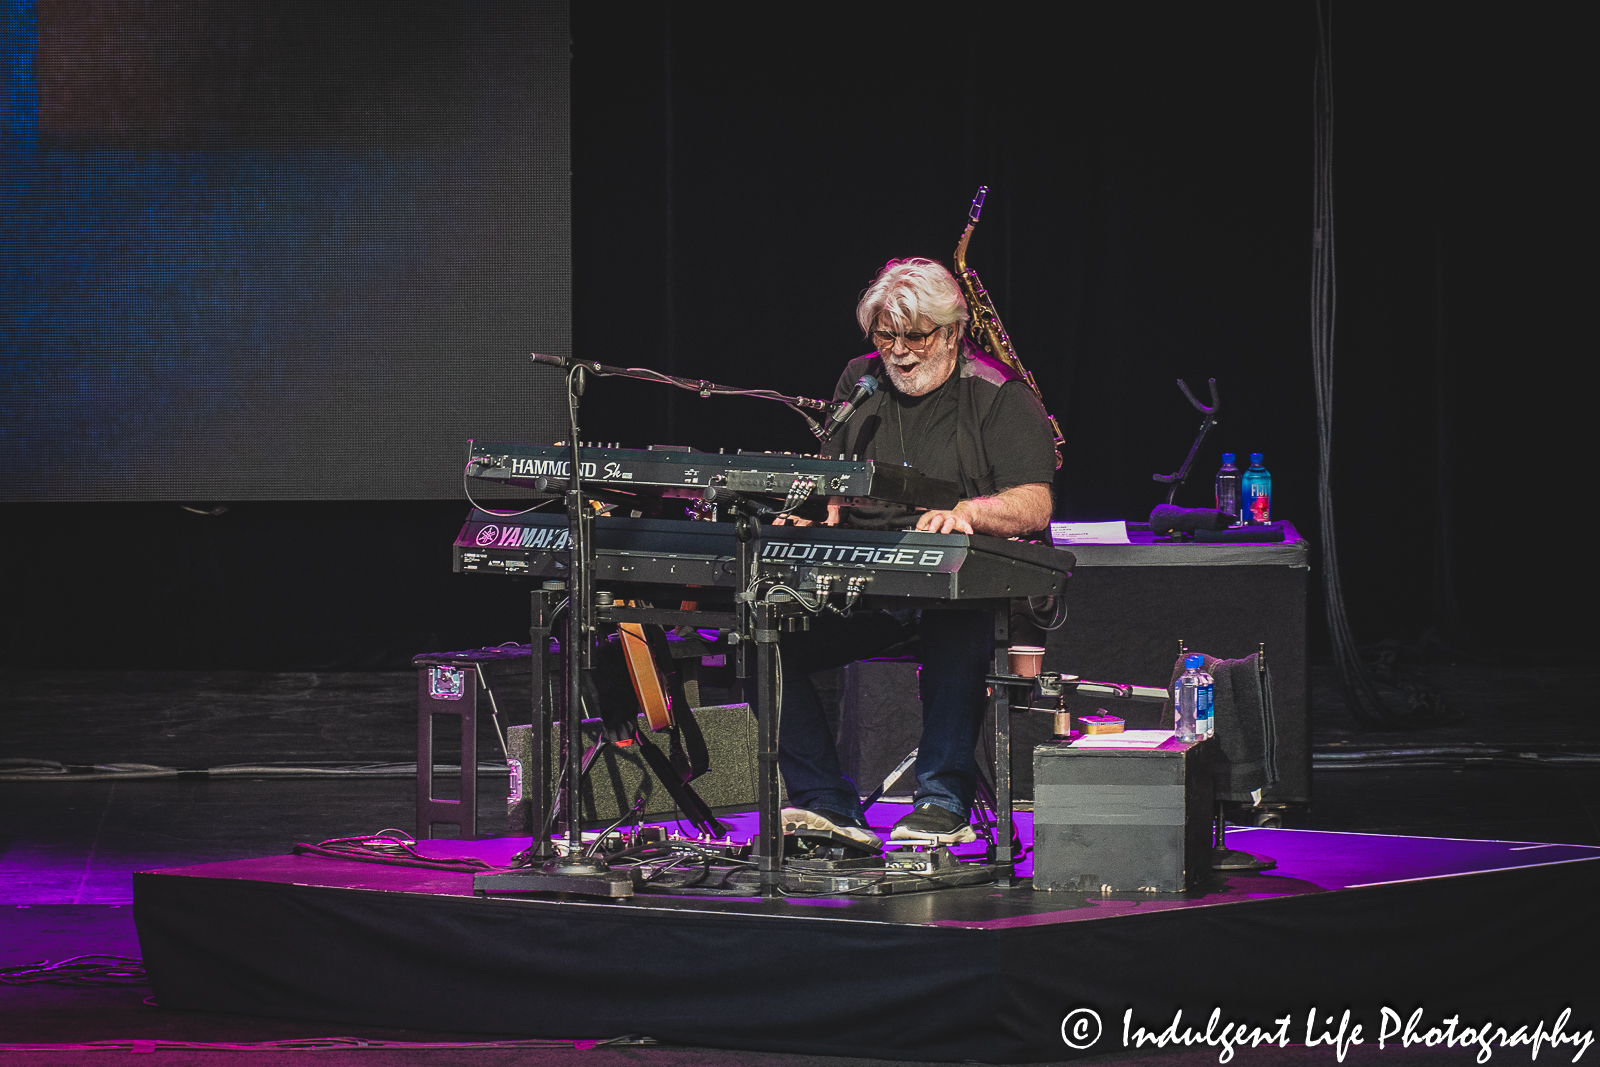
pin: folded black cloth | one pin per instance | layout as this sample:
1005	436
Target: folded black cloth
1166	519
1246	739
1267	532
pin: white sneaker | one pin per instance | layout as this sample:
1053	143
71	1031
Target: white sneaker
797	819
930	824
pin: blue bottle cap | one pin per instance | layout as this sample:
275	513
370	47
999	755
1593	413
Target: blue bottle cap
1193	660
1255	459
1228	457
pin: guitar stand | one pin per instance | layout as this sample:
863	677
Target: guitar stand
549	873
592	753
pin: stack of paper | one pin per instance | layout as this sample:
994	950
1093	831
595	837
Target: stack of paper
1126	739
1089	533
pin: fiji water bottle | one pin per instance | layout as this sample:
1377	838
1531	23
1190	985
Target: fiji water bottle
1257	492
1186	696
1228	487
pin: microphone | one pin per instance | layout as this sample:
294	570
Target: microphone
554	361
864	388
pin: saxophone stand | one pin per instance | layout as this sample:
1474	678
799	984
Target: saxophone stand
1175	481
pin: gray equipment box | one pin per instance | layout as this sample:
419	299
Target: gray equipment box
1122	820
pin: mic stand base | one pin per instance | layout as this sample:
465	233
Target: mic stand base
1234	860
574	865
1238	861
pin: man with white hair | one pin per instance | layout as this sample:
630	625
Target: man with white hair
952	412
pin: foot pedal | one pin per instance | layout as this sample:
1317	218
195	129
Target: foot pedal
823	845
798	822
610	884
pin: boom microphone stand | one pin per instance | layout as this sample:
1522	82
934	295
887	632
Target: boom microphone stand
758	624
574	872
800	405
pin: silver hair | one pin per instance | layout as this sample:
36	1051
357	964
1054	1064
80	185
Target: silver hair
908	290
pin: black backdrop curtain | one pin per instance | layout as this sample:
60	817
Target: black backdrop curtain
737	183
736	186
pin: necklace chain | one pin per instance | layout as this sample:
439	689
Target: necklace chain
927	418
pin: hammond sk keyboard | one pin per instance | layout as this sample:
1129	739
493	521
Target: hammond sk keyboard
924	566
664	472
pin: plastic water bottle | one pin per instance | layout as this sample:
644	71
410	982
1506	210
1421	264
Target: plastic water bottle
1257	486
1192	692
1228	487
1205	705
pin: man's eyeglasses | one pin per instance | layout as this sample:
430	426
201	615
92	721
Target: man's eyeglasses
916	341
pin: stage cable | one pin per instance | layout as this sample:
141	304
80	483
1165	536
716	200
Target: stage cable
93	969
40	770
467	492
392	847
313	1044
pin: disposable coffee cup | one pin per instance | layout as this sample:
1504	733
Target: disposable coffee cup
1026	660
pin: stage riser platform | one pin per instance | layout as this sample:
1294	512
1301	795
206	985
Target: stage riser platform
982	973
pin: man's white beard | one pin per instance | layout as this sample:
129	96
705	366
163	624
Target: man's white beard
926	376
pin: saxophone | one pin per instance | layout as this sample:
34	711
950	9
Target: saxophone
986	328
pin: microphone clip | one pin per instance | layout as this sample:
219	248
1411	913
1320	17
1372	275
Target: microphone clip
865	387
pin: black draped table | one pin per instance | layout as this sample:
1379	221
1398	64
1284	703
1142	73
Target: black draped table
1129	606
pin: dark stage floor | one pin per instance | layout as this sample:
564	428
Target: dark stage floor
70	847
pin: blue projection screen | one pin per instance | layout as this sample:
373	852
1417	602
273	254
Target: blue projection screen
286	249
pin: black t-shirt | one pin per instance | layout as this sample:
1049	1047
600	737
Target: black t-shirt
922	431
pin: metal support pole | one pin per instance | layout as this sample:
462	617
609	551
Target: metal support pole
758	625
747	547
769	840
564	760
577	655
536	776
1002	740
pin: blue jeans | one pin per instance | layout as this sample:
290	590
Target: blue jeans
956	653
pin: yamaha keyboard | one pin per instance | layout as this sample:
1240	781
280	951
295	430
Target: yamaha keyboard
675	552
671	472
